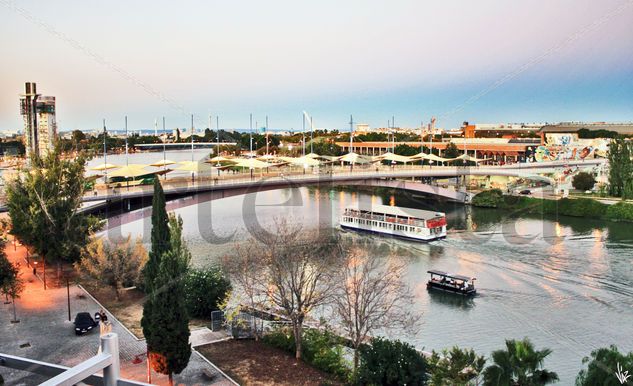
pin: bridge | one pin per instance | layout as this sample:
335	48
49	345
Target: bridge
399	177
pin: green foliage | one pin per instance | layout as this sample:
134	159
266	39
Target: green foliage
621	168
43	205
576	207
406	150
583	181
591	134
387	362
321	349
205	290
168	324
326	148
620	211
488	198
519	364
160	236
602	365
451	151
10	282
455	367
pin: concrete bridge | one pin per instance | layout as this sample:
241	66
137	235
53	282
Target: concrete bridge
399	177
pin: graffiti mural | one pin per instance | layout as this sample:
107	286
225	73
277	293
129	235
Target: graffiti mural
566	147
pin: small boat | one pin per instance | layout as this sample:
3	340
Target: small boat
458	284
406	223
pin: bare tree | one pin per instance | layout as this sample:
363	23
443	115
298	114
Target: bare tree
371	294
113	265
300	269
290	270
245	269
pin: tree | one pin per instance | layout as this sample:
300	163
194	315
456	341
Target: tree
451	151
406	150
160	236
621	168
455	367
583	181
113	265
245	269
519	365
44	205
602	365
299	269
371	294
11	284
168	338
205	289
387	363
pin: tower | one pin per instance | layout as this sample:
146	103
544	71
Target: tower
40	125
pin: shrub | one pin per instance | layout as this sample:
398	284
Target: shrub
488	199
387	362
321	348
620	211
205	289
583	181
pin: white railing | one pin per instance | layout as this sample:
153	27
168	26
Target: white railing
85	372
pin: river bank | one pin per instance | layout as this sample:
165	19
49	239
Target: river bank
575	207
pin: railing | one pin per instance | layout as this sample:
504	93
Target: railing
85	372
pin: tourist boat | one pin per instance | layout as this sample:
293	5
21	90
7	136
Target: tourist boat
459	284
406	223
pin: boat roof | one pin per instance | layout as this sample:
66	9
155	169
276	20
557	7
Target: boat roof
398	211
449	275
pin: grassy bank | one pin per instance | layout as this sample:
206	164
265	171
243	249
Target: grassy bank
575	207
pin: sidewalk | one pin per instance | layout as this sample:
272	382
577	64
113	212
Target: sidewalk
44	333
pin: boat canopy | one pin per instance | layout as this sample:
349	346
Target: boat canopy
450	275
398	211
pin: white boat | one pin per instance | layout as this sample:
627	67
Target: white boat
406	223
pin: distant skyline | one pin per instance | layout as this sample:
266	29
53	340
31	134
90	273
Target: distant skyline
483	62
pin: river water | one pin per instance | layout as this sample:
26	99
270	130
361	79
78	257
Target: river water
565	283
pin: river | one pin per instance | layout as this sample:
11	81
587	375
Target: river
566	283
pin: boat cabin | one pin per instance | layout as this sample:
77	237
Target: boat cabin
459	284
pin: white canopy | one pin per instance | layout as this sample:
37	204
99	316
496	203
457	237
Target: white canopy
303	161
105	167
395	157
251	163
130	171
165	162
354	158
194	166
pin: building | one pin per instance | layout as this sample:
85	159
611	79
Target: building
501	130
40	125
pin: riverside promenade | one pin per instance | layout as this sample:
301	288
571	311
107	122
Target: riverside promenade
44	333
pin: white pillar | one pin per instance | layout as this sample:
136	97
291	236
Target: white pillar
110	345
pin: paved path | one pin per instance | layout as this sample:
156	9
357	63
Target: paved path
48	336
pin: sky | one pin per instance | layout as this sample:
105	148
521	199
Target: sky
480	61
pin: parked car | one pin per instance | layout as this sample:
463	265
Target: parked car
84	323
526	192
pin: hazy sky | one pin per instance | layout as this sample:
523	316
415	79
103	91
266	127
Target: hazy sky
459	60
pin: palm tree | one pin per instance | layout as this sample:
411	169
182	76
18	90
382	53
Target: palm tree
518	365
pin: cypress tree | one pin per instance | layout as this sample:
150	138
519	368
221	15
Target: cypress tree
169	346
160	245
160	236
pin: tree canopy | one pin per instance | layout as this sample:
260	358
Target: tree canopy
519	364
44	204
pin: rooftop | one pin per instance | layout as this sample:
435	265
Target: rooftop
398	211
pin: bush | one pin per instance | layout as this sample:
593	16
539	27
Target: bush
583	181
620	211
321	348
488	199
602	366
387	362
205	289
